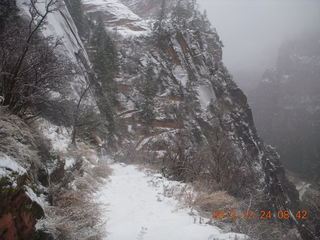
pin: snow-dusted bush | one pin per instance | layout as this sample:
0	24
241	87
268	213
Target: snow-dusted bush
74	216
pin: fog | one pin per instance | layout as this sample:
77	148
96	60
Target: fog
253	30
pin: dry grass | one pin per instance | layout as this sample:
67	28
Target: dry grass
102	170
75	216
217	200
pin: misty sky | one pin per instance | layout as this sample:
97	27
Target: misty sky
253	30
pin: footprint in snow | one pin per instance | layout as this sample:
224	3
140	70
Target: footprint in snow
142	232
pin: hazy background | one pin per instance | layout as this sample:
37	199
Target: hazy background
253	30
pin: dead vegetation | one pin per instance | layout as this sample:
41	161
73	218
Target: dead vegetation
73	216
73	213
102	170
217	200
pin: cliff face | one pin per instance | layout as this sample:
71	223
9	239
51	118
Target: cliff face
177	59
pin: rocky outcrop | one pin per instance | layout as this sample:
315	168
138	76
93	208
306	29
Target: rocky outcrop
20	186
18	211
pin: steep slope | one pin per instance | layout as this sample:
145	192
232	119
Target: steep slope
177	100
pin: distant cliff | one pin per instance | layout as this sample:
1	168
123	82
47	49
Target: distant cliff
286	105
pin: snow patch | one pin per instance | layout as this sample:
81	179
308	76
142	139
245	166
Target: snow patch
181	75
120	18
39	200
302	188
9	165
112	6
206	95
58	136
69	162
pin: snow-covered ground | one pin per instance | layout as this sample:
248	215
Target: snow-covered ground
138	209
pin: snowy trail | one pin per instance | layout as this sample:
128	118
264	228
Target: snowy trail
137	210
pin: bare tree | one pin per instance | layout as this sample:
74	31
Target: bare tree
77	113
31	69
36	22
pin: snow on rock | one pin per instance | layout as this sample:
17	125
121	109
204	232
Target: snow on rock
206	94
118	17
113	6
181	74
9	165
58	136
39	200
69	162
138	209
302	188
61	26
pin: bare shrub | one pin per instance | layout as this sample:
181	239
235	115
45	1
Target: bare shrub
86	119
184	194
59	111
179	161
209	165
30	67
